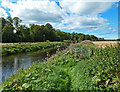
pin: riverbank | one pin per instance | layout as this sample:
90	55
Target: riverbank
11	63
14	48
79	67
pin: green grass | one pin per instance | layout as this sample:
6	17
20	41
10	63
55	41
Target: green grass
70	70
28	47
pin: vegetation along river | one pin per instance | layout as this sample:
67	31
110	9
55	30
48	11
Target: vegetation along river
10	64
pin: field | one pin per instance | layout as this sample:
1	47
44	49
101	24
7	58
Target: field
82	66
14	48
105	43
108	43
7	43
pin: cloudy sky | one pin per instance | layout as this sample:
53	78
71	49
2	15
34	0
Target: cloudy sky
94	17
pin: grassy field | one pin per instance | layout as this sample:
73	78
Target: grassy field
105	43
81	66
14	48
7	43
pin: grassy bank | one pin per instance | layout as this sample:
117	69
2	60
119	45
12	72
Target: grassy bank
79	67
28	47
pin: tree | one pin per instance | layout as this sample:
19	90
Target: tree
101	39
23	34
36	33
72	36
10	21
93	38
48	26
2	22
32	26
81	38
16	21
7	34
87	37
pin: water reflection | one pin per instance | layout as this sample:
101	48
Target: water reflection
10	64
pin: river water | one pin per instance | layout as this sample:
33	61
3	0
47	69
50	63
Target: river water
10	64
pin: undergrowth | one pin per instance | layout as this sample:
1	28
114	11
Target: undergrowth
81	66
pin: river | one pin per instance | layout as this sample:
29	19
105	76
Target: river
10	64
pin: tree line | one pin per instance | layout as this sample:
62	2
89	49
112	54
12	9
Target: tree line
12	31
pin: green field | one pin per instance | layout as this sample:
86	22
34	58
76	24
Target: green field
14	48
81	66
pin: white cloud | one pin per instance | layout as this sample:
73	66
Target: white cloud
82	14
77	22
113	30
3	13
40	11
94	0
85	8
110	28
5	4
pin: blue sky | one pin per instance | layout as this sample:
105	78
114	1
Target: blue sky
111	31
94	18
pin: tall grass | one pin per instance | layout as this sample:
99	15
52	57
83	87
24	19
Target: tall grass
28	47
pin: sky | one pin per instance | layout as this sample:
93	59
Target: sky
93	17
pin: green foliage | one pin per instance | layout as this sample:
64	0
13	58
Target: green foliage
47	41
43	77
27	47
71	69
37	33
81	38
7	33
16	21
